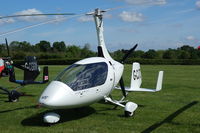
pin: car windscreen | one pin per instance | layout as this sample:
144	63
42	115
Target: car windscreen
80	77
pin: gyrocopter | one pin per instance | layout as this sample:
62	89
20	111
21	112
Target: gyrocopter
31	71
92	79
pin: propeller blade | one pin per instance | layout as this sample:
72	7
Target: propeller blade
7	47
128	54
121	82
46	14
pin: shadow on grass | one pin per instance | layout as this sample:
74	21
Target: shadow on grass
66	115
170	117
10	110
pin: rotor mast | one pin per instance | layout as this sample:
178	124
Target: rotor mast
98	18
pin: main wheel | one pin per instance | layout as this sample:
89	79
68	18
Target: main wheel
129	109
128	114
12	99
14	96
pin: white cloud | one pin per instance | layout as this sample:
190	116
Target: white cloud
146	2
6	21
85	19
131	16
31	18
180	44
198	4
190	38
185	11
59	19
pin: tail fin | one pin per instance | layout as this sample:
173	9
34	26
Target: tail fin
136	80
136	77
159	81
32	70
45	74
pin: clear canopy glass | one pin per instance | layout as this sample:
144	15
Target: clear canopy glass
80	77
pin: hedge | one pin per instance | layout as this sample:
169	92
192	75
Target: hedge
68	61
165	61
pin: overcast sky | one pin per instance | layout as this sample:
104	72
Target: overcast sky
153	24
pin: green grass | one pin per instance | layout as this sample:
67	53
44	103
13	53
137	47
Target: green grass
174	109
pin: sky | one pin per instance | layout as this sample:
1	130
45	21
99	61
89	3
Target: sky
153	24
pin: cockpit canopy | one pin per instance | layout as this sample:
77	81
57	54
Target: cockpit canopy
84	76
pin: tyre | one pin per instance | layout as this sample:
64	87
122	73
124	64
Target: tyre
128	114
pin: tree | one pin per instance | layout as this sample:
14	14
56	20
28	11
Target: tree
118	55
25	46
14	45
186	48
169	54
2	49
150	54
73	51
86	52
183	54
137	54
59	46
44	46
194	54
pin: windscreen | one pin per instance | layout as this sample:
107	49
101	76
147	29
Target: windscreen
79	77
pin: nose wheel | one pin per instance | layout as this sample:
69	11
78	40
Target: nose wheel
51	118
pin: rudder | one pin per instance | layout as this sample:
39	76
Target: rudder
136	77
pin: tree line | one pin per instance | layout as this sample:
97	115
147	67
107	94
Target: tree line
183	52
44	50
58	50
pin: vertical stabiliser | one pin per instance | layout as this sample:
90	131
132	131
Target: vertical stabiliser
159	81
136	80
136	77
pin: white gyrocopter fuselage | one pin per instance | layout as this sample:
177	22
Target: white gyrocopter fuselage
92	79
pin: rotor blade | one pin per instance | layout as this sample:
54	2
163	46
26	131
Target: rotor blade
115	8
121	82
129	52
106	10
7	47
39	24
47	14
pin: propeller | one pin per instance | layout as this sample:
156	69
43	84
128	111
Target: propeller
121	82
128	54
7	47
45	14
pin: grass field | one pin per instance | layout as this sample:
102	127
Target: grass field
174	109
